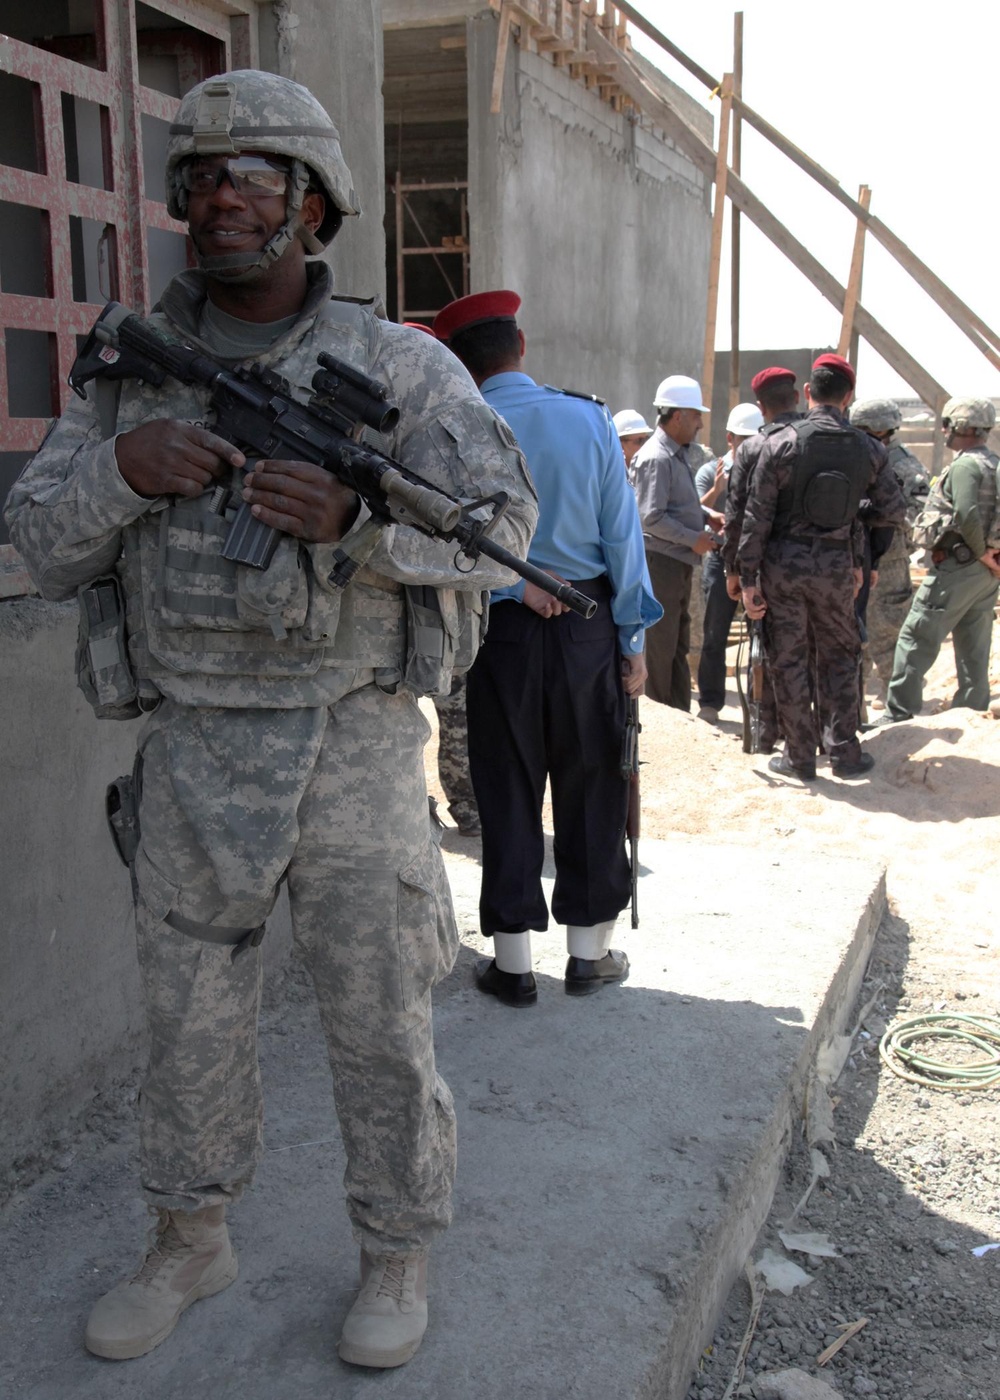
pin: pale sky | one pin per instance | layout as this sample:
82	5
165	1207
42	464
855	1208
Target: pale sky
881	93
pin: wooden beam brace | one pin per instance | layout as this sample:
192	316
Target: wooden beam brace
854	279
715	258
500	66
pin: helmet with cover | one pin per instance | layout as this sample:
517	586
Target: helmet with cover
877	415
966	415
251	110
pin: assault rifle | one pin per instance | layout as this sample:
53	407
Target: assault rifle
630	772
750	681
257	412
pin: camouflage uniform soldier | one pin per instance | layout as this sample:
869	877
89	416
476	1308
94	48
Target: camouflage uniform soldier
960	525
797	536
282	742
453	758
889	600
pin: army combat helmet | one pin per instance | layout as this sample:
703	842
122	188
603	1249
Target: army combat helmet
969	415
877	415
250	110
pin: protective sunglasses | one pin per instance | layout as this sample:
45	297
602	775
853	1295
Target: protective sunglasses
248	175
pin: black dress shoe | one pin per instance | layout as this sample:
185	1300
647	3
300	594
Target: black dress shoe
864	765
584	976
512	988
806	772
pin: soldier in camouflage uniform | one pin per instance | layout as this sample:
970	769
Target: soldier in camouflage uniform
892	589
453	758
799	575
283	742
960	525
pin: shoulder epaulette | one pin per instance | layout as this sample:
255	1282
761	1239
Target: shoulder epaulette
576	394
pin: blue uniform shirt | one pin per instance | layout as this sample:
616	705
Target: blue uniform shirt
588	523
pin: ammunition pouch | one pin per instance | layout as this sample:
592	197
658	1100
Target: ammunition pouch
103	670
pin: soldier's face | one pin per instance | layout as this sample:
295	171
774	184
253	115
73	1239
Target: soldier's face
228	219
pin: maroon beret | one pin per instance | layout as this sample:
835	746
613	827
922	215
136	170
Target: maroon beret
419	326
770	376
839	366
466	312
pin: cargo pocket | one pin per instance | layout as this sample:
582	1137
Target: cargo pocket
428	936
156	894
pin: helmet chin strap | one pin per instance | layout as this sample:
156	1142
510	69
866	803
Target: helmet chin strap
247	267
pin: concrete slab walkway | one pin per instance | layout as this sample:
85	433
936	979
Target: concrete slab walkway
618	1154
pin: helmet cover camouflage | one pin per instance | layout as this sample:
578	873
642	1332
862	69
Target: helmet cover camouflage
970	415
251	110
878	415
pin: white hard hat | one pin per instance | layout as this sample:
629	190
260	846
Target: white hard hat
630	423
678	391
745	420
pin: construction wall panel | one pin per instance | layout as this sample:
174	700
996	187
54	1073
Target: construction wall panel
603	228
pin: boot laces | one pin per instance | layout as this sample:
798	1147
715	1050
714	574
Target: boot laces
393	1278
161	1241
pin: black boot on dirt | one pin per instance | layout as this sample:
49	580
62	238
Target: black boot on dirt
805	772
585	976
856	769
512	988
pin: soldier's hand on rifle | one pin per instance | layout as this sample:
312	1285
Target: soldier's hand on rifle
992	561
301	499
541	602
169	458
754	602
733	589
634	673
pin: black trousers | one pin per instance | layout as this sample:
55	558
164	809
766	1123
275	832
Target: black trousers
669	640
719	612
545	699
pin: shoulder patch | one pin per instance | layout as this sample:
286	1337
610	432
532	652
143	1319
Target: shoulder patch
576	394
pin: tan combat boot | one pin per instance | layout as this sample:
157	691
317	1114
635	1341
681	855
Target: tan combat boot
190	1257
387	1322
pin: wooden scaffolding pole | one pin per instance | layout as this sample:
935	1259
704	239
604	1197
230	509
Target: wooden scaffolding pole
715	259
847	345
734	225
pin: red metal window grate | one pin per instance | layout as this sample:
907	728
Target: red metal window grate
82	211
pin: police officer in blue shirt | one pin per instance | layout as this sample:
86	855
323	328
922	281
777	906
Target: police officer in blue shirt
547	695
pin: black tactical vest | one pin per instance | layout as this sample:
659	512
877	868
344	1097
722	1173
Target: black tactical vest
830	476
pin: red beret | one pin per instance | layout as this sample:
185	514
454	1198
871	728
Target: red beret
471	311
419	326
770	376
839	365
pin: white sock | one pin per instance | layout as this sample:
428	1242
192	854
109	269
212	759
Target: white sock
512	951
591	942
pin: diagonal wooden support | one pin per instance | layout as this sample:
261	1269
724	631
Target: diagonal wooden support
854	279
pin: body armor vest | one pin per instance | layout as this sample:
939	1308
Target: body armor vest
830	475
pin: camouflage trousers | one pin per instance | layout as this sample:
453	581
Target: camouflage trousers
810	622
888	605
955	598
332	800
453	755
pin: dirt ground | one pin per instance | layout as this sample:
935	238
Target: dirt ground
914	1182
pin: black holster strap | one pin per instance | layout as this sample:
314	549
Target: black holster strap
238	938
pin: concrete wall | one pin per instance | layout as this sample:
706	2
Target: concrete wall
334	47
602	227
69	1003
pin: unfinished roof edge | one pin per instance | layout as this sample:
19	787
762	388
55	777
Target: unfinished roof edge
427	14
